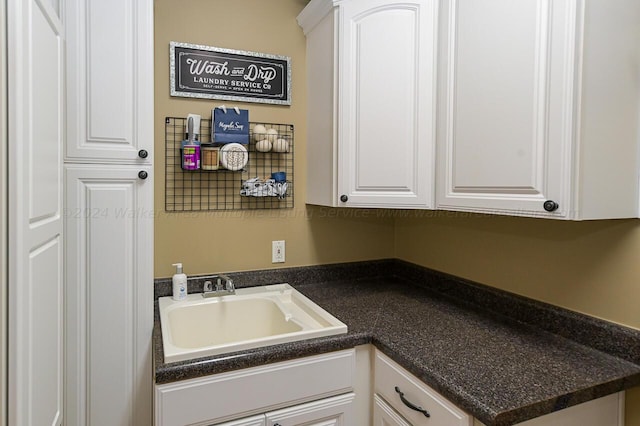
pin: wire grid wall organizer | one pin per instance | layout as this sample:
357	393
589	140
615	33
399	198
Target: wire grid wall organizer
197	190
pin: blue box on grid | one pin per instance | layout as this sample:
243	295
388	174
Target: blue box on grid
229	125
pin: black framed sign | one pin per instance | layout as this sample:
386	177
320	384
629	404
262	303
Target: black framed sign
215	73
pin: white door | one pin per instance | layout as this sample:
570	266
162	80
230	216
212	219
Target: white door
386	108
109	295
336	411
36	138
507	98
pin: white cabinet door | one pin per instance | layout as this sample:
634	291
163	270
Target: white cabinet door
109	295
110	80
386	97
35	118
507	98
384	415
336	411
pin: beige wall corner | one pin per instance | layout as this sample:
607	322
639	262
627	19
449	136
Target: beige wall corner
589	267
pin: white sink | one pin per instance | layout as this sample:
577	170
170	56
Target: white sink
251	318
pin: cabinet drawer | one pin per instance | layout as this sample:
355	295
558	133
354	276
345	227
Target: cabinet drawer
389	375
230	395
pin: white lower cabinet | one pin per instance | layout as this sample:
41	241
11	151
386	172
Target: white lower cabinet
327	390
401	390
286	393
391	408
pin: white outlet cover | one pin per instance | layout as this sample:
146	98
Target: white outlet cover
277	251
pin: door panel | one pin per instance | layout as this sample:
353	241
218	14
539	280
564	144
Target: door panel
506	138
387	94
36	139
110	84
496	96
109	307
45	261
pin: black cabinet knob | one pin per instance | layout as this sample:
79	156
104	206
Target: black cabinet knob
344	198
143	153
142	174
550	205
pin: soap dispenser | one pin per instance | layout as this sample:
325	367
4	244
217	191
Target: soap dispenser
179	283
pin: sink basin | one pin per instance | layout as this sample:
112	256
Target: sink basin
251	318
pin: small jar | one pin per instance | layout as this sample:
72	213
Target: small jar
209	157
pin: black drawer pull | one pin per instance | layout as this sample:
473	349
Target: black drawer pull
411	405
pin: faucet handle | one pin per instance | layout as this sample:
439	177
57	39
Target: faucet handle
228	282
208	286
219	284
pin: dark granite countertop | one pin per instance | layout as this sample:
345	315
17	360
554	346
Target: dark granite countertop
501	368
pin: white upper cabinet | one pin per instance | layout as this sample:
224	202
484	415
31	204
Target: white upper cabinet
371	83
110	81
536	114
538	104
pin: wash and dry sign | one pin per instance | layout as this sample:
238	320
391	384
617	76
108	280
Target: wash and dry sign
215	73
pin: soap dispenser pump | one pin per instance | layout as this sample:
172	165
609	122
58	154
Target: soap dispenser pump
179	283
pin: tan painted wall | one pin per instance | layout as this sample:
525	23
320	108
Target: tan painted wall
208	241
589	267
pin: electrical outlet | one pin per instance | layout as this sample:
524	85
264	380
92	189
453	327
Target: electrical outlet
277	251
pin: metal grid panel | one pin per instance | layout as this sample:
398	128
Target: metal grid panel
196	190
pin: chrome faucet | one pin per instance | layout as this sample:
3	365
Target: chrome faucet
219	290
